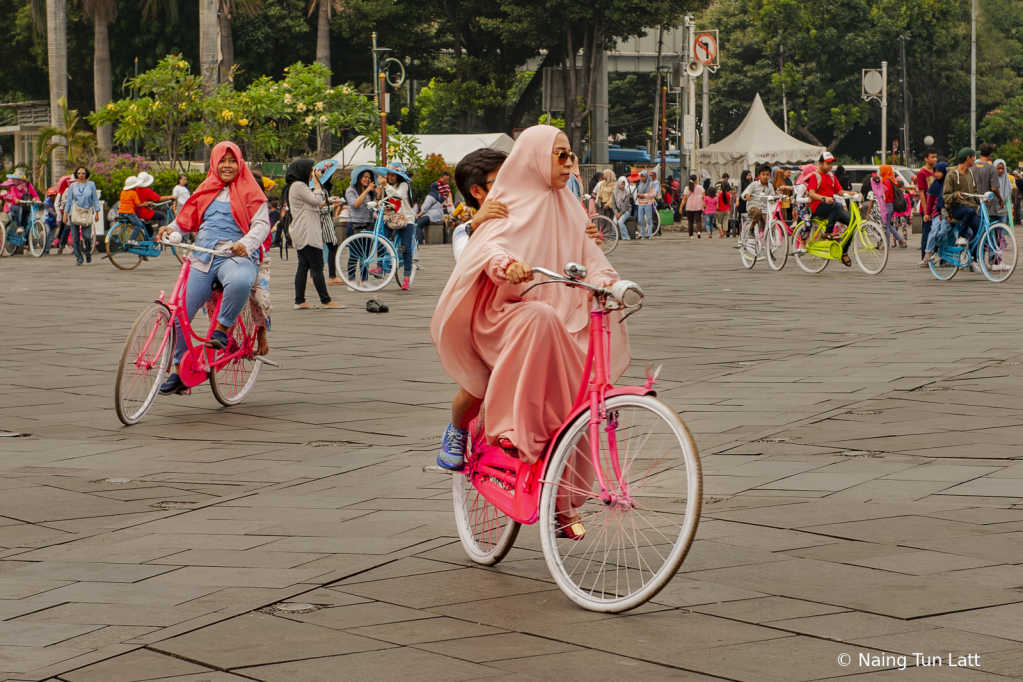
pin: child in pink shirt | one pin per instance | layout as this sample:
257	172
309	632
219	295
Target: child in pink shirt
710	209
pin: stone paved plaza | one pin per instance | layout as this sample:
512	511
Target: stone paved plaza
860	439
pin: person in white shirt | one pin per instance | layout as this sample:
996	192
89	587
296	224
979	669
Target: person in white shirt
180	193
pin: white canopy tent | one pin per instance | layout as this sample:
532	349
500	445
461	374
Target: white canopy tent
756	141
452	147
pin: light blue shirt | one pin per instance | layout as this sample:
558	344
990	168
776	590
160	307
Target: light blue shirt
82	194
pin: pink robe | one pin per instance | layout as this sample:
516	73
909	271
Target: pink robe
524	355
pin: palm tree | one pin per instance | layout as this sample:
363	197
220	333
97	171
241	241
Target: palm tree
67	138
56	52
228	10
323	50
101	13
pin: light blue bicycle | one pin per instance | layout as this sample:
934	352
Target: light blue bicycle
368	261
993	249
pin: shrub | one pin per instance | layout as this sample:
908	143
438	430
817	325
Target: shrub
427	174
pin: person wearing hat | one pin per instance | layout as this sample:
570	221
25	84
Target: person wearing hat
823	187
126	209
397	186
18	188
147	197
959	182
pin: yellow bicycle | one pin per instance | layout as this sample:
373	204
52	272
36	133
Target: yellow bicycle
868	244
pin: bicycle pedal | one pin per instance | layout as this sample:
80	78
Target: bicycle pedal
434	469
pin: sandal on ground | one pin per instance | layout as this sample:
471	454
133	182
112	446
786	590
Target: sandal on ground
333	305
846	261
335	280
305	306
218	341
570	527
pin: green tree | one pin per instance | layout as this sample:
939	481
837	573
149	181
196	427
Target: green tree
76	145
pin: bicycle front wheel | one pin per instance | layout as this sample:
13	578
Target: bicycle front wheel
487	535
144	359
233	381
749	244
37	238
608	233
870	248
655	230
636	536
997	253
777	246
117	240
366	263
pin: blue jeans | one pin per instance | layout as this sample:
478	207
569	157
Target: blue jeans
137	222
708	222
939	227
237	275
86	236
969	220
645	220
402	238
623	230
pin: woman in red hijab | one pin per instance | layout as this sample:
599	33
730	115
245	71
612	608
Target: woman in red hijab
228	212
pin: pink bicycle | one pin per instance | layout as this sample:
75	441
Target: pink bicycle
623	464
146	356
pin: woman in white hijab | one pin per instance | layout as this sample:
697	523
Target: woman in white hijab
1005	189
622	200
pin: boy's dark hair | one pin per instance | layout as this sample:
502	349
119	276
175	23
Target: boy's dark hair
473	170
763	168
929	151
275	203
987	149
446	174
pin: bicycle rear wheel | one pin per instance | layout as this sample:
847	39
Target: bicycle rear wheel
399	268
749	244
487	535
870	248
366	263
634	543
608	233
997	253
37	238
655	230
235	380
117	247
3	240
777	246
144	359
807	261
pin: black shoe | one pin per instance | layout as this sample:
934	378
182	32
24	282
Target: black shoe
88	260
218	341
78	262
172	385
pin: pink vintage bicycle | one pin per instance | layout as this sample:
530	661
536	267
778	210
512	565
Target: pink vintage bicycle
623	464
146	356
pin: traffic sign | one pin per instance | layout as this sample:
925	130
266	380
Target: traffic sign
705	47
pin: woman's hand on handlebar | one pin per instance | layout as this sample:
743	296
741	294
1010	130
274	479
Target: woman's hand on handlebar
519	272
164	232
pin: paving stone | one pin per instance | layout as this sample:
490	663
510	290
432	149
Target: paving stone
258	639
397	665
998	621
27	634
766	609
589	665
90	572
136	666
360	615
488	648
425	631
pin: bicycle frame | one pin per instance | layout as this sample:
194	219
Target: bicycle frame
514	486
833	249
195	366
16	239
962	256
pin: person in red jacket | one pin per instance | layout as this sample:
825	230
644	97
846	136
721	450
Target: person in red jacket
147	197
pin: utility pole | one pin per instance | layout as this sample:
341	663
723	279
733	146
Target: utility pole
706	108
383	122
905	102
973	75
784	103
376	70
657	98
664	134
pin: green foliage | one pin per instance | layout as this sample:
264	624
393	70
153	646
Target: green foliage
437	112
109	175
78	145
404	148
165	180
958	135
427	174
555	121
266	119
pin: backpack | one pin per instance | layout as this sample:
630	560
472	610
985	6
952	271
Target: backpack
898	199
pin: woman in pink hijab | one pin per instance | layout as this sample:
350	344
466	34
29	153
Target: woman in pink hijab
524	355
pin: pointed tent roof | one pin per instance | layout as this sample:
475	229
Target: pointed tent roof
757	140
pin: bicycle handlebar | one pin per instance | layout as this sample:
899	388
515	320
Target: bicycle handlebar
193	247
987	195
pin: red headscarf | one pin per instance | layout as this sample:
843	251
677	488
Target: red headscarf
246	194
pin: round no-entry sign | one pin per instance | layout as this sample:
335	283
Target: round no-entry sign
705	48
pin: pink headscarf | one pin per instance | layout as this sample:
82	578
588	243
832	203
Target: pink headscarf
544	228
807	171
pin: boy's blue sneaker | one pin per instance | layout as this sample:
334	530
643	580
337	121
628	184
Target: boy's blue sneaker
452	449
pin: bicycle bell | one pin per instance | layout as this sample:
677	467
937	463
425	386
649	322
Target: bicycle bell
575	271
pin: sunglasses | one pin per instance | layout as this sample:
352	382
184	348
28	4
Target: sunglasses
564	156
